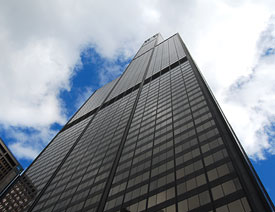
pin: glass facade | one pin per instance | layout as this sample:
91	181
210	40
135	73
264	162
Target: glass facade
152	140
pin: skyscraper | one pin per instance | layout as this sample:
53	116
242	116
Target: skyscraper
154	139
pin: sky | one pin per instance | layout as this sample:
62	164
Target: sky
55	54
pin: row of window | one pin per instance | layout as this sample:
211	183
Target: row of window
179	173
192	203
188	186
166	120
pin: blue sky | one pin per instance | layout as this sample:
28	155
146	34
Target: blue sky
55	54
265	171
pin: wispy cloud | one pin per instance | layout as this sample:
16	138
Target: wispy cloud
110	71
27	142
250	101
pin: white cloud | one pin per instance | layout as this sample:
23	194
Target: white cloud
41	43
26	152
27	142
250	102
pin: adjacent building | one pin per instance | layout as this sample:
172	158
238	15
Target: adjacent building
18	195
154	139
9	166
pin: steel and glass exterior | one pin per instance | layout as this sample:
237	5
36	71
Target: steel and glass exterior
154	139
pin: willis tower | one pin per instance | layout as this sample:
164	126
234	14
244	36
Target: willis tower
154	139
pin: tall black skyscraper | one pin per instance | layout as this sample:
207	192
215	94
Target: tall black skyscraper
153	139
